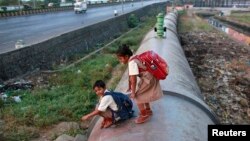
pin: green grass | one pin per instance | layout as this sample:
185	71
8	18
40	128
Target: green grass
241	17
69	95
189	22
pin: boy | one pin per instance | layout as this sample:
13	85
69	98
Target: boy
109	107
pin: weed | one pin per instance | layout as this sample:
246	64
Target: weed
69	94
132	21
191	22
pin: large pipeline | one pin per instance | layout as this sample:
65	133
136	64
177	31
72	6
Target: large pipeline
181	115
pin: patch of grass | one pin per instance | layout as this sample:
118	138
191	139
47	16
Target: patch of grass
21	133
69	95
241	17
187	22
204	26
132	21
73	132
184	23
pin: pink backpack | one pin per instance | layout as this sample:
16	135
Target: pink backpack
154	64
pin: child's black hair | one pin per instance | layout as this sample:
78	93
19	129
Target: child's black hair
99	83
124	50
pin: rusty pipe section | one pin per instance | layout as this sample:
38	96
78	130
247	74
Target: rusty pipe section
181	115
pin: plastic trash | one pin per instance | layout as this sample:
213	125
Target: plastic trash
3	97
17	99
79	71
19	44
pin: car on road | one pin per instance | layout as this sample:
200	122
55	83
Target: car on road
80	7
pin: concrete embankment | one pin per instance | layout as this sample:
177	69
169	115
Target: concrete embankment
237	25
65	47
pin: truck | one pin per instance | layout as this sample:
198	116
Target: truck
97	1
80	7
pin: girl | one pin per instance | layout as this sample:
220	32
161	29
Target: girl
148	88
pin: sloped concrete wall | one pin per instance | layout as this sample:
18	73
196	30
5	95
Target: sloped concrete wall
65	47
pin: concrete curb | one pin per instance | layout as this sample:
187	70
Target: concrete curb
50	10
34	11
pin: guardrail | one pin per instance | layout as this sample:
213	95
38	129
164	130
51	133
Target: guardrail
53	9
34	11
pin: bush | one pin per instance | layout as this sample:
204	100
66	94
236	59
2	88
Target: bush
27	7
132	21
42	6
4	9
1	103
56	4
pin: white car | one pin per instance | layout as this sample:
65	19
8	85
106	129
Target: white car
80	7
50	4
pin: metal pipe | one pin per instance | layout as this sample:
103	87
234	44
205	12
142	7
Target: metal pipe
181	115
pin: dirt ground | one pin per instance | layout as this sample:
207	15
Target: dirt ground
222	69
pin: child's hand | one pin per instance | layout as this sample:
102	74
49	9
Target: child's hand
132	95
85	117
129	90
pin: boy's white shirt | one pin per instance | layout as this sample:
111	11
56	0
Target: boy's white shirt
107	101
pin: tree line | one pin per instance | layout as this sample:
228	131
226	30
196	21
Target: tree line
220	3
30	2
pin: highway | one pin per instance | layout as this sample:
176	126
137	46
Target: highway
34	29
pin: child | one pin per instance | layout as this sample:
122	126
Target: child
115	12
148	88
110	106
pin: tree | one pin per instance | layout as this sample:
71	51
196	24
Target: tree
8	2
56	2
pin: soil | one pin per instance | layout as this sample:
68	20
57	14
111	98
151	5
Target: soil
222	69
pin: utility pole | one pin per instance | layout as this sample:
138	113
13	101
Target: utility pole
122	6
34	3
19	4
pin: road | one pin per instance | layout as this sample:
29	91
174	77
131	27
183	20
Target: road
37	28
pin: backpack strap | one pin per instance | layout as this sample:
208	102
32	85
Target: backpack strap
120	107
111	93
114	113
138	61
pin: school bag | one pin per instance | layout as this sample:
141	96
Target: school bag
124	105
153	63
